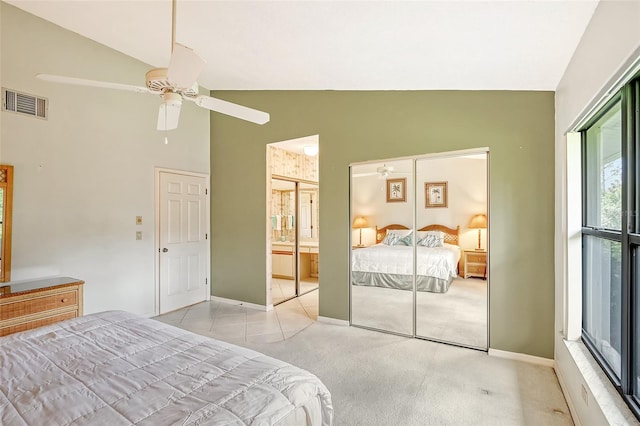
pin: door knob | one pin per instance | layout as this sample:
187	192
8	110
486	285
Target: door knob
164	250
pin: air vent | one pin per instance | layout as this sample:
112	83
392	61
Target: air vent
23	103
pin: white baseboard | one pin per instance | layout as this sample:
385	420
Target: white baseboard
567	397
522	357
241	303
333	321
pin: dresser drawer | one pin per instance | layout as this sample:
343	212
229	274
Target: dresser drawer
475	269
476	258
30	325
26	305
35	305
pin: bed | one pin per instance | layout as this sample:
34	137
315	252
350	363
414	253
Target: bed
116	368
391	265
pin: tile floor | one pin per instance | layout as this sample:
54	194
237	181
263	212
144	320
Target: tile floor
238	324
282	289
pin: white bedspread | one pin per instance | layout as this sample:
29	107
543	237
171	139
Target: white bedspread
440	262
115	368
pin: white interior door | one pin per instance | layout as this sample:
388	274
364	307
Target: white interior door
183	240
305	214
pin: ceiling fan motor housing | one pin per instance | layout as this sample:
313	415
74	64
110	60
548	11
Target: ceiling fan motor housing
156	80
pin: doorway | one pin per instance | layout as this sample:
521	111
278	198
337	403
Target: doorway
293	219
182	215
420	265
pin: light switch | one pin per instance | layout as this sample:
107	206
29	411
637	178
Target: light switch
139	235
138	220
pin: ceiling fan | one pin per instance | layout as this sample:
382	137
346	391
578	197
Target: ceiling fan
173	84
382	171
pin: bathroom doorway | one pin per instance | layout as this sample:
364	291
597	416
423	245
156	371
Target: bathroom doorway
293	219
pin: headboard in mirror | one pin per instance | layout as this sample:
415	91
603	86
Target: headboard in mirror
450	234
6	207
382	232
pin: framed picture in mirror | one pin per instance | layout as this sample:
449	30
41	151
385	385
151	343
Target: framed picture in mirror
435	194
396	190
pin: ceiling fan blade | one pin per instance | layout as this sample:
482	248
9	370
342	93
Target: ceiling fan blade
93	83
234	110
184	67
168	115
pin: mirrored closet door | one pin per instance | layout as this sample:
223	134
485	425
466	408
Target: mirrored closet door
284	251
452	294
294	238
308	196
381	272
419	247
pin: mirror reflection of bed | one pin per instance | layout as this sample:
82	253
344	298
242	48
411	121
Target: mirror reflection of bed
447	307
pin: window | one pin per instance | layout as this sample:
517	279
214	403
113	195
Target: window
611	242
604	170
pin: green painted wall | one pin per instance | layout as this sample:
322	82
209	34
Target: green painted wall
518	128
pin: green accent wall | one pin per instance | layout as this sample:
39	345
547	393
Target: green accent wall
518	128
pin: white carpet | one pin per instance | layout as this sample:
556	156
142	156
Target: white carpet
382	379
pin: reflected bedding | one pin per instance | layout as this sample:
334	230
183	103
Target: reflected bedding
387	266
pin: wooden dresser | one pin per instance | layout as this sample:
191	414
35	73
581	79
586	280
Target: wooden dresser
31	304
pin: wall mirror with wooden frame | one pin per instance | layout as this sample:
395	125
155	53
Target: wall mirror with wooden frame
6	199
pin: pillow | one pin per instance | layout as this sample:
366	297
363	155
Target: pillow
390	239
394	235
400	232
405	241
432	239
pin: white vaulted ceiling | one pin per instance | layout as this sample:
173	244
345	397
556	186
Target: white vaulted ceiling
342	45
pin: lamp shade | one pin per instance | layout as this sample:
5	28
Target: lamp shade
360	222
478	221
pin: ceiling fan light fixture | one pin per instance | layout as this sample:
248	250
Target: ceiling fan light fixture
169	112
310	150
172	99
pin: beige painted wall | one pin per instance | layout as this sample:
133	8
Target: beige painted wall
83	175
358	126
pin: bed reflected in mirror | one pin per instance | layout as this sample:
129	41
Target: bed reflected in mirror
382	272
458	315
419	258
